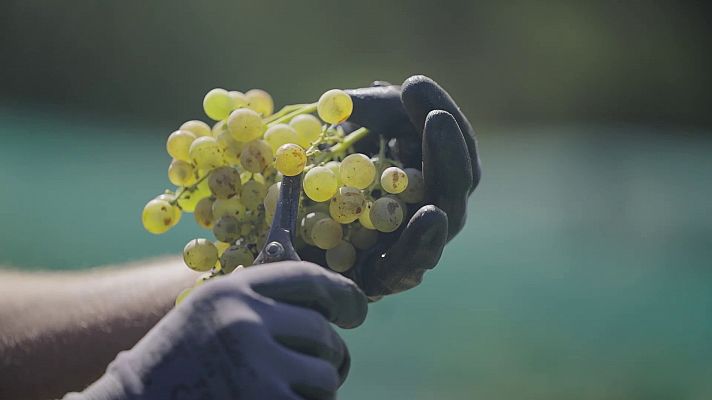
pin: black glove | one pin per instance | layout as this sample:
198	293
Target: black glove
428	132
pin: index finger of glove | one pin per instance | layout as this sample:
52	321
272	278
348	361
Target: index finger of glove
379	108
420	96
308	285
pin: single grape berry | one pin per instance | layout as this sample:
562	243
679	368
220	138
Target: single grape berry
394	180
239	100
271	199
198	128
280	134
256	156
231	207
341	257
252	194
206	153
326	233
320	184
178	144
245	125
347	205
181	173
231	147
365	217
203	212
217	104
357	170
235	256
224	182
386	214
335	106
290	159
158	216
260	101
200	255
306	224
227	229
171	198
188	198
308	129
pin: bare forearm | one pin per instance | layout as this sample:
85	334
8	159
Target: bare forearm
58	331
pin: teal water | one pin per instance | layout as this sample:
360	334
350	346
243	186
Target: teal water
584	271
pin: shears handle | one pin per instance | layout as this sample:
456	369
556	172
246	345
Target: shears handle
278	246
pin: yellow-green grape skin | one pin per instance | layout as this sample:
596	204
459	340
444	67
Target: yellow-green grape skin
365	217
245	125
308	129
290	159
231	148
188	200
357	171
335	167
170	198
414	193
221	246
280	134
218	128
347	205
201	280
239	100
198	128
272	197
200	255
235	256
228	207
178	144
206	153
394	180
217	104
326	233
335	106
386	214
341	257
203	213
227	229
181	173
252	194
256	156
182	295
320	184
306	224
260	101
158	216
363	238
224	182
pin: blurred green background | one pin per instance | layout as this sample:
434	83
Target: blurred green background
584	271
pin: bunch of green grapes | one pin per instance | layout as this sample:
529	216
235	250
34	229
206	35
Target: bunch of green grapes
228	175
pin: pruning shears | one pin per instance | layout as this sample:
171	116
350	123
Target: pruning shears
278	246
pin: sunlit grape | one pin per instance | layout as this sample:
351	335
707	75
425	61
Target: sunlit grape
414	193
357	171
200	255
189	198
181	173
221	246
386	214
227	229
320	184
335	106
245	125
231	148
228	207
260	101
203	212
217	104
365	217
335	167
326	233
198	128
239	100
157	216
347	205
235	256
224	182
178	144
206	153
171	198
290	159
252	194
280	134
394	180
341	257
306	224
308	129
256	155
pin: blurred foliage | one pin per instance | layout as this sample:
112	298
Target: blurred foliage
503	60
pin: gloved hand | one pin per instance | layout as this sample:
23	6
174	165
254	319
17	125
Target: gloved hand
261	333
430	132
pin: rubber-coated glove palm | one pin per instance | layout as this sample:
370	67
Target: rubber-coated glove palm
261	333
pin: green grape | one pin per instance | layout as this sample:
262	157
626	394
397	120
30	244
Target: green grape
182	295
306	224
218	128
201	280
181	173
347	205
189	198
290	159
365	217
335	106
239	100
357	171
158	216
363	238
217	104
231	148
320	184
394	180
252	194
232	207
227	229
224	182
308	129
221	246
280	134
414	193
200	255
206	153
235	256
171	198
260	101
326	233
272	197
245	125
203	212
341	257
335	167
386	214
256	156
178	144
198	128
